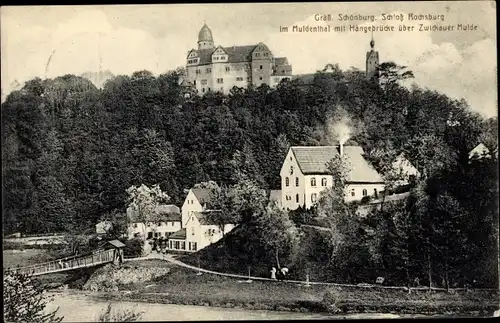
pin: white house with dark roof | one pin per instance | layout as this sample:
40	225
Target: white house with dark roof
170	222
405	171
197	200
199	232
304	175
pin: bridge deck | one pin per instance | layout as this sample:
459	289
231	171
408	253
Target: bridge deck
70	263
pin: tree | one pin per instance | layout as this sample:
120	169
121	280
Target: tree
390	73
332	199
24	300
223	202
143	203
277	233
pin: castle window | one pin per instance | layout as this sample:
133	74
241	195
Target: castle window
239	79
261	67
297	198
287	181
365	193
313	197
228	68
353	193
323	182
296	181
313	181
220	80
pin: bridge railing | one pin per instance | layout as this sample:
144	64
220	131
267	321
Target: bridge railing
68	263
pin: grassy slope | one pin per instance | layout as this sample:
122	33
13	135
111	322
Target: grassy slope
184	286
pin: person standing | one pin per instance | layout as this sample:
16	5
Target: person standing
273	273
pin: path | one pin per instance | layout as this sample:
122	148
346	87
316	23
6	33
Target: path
171	259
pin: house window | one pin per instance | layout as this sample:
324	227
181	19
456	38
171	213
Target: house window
375	193
198	72
313	181
266	54
203	90
323	182
170	244
228	68
135	225
194	246
209	70
176	245
296	181
257	54
287	183
183	245
172	223
220	80
365	193
239	79
194	82
150	235
260	78
261	67
192	231
297	198
352	192
313	197
203	82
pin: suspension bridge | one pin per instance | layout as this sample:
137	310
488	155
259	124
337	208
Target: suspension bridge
96	258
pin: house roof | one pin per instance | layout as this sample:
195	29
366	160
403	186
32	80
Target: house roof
116	243
235	54
314	159
391	198
204	195
275	195
179	235
479	150
168	208
280	61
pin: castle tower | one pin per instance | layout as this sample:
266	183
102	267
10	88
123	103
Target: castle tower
205	39
372	60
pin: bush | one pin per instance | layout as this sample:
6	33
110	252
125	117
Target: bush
24	300
330	301
133	247
113	316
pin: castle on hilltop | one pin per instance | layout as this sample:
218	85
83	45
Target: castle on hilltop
217	68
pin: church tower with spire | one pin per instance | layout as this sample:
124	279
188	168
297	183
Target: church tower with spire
372	61
205	39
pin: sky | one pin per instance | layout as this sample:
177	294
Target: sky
124	39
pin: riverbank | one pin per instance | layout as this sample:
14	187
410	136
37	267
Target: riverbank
186	287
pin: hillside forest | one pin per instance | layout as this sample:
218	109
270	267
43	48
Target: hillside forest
70	151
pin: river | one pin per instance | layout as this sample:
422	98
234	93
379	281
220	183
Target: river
84	308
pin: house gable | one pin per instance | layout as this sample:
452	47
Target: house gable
290	165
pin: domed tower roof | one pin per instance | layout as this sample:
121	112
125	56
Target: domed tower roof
205	34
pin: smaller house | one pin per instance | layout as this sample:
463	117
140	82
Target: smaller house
169	223
479	152
103	227
199	232
197	200
405	171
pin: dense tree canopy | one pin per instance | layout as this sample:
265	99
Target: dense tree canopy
70	150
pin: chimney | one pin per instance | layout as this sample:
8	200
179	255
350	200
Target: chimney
341	148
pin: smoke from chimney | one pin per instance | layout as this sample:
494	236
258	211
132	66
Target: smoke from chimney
338	128
341	149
